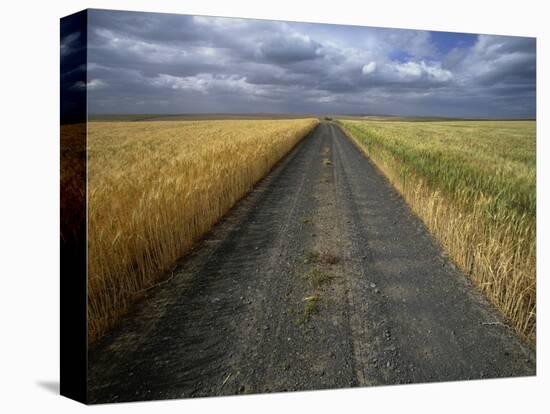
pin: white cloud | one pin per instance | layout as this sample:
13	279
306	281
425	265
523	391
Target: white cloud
436	72
96	84
411	71
91	85
326	99
206	82
369	68
408	70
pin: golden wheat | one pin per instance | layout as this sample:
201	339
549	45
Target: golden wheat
473	185
154	188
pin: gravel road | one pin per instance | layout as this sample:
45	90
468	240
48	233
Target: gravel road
320	278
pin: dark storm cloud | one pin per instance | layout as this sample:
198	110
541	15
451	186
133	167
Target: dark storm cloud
281	49
140	62
73	68
174	28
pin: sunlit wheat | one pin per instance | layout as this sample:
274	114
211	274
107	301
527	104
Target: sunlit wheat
154	188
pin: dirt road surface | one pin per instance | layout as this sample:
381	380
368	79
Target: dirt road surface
320	278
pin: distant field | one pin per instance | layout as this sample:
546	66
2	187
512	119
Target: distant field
156	187
193	117
473	183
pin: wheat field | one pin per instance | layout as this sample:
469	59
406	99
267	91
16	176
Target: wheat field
473	184
154	188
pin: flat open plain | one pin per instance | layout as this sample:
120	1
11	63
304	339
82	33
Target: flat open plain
319	278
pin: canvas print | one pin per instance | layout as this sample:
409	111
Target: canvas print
254	206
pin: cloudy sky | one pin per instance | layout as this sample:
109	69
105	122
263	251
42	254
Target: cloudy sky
163	63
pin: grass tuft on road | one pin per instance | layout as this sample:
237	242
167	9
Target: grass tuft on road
323	257
311	307
317	278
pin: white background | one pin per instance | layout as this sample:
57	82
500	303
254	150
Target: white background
29	218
